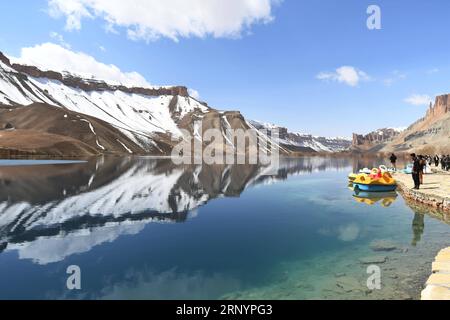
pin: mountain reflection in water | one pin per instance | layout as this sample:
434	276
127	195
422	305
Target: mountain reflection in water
48	213
144	228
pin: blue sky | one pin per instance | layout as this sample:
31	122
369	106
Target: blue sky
269	69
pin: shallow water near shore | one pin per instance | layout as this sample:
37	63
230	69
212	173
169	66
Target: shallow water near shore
143	228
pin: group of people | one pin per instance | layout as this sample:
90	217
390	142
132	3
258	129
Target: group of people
444	161
420	163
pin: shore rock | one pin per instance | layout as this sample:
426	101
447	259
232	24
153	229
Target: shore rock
383	245
373	260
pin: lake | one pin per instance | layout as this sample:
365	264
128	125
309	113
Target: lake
143	228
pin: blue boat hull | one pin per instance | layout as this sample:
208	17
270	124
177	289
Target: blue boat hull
374	188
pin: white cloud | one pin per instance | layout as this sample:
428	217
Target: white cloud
194	94
433	71
50	56
419	100
58	37
388	82
345	74
152	19
349	232
394	77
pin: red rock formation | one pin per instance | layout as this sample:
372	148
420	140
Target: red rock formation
440	108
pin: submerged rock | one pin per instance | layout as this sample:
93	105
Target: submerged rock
340	275
349	284
383	245
373	260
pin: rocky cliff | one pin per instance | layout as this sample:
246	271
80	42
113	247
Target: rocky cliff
430	134
74	81
440	108
375	138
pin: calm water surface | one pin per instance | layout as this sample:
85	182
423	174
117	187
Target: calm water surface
146	229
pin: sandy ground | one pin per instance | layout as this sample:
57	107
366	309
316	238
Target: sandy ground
437	184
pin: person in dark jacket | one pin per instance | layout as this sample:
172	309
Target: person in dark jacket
393	159
416	171
436	161
423	165
445	162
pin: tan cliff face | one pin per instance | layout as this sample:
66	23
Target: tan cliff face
429	135
440	108
366	142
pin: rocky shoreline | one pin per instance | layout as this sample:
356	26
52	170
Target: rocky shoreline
434	195
435	200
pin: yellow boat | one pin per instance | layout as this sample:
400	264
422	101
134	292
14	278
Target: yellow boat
377	181
352	176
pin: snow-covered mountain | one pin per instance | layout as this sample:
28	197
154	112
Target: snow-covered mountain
305	142
50	113
141	114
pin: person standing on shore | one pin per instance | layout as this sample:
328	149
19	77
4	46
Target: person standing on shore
422	166
415	171
436	160
393	159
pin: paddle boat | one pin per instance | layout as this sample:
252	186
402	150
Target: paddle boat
408	169
352	176
365	171
384	169
377	181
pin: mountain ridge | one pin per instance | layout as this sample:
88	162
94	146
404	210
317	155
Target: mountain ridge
306	142
144	120
429	135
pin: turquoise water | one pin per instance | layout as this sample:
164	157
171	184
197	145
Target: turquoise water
146	229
